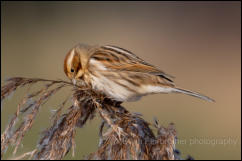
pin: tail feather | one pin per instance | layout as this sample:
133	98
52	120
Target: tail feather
195	94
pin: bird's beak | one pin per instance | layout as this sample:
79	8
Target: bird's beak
74	81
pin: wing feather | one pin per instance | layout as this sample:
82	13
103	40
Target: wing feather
120	59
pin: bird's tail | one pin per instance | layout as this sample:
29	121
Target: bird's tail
195	94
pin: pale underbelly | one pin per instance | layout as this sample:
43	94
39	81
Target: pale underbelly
113	90
123	91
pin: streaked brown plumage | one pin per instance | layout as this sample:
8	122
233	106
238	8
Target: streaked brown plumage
118	73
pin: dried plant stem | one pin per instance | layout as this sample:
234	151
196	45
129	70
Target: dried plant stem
58	139
9	136
30	154
127	135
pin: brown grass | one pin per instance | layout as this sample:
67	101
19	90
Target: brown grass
123	135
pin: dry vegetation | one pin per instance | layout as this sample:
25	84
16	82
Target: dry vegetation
123	135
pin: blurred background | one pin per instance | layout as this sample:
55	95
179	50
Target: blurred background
197	42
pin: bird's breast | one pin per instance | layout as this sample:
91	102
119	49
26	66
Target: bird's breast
115	89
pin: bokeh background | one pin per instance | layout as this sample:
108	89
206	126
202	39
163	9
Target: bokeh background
197	42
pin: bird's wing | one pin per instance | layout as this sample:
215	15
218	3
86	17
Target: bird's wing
119	59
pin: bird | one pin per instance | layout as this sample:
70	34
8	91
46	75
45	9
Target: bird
118	73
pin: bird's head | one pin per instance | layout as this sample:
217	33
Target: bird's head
76	62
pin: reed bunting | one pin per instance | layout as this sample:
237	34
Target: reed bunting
118	73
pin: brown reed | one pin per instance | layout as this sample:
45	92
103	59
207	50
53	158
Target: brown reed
127	135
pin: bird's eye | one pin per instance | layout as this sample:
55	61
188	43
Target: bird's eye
72	70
